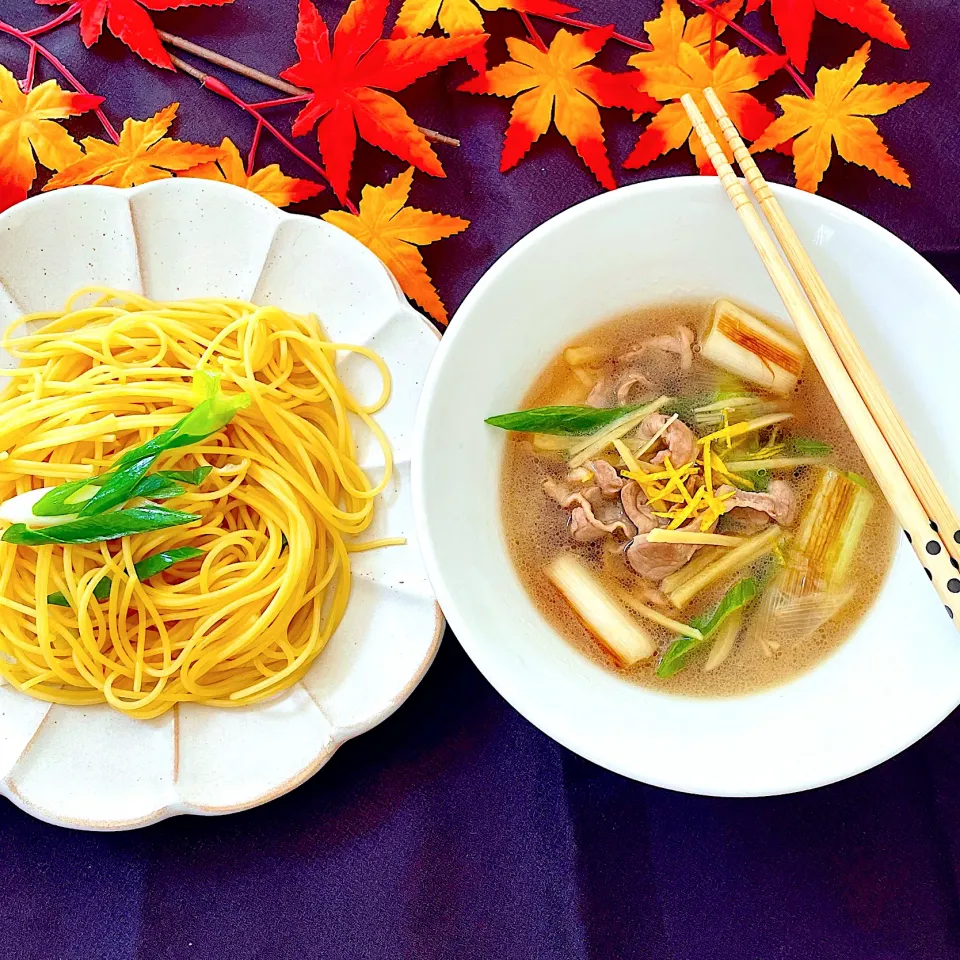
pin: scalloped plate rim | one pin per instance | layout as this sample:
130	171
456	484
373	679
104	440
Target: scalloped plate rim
339	735
177	808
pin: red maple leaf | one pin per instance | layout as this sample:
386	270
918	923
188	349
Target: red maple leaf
130	23
794	20
348	79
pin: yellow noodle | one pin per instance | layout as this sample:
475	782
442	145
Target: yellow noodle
279	512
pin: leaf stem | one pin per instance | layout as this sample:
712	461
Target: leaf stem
62	70
64	17
281	101
532	31
584	25
251	156
757	42
27	84
242	70
434	136
219	87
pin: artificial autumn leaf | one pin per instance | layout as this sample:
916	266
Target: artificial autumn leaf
672	27
393	231
794	20
460	17
837	114
348	79
683	68
560	83
29	132
130	23
269	182
144	153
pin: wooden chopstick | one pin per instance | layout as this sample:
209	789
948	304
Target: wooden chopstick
881	407
886	468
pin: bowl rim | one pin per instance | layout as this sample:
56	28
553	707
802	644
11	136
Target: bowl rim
229	194
470	635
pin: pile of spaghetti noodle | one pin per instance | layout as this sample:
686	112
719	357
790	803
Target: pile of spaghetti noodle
278	509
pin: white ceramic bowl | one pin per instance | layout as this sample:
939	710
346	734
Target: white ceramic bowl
890	683
92	767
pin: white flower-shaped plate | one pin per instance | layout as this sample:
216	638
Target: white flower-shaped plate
93	768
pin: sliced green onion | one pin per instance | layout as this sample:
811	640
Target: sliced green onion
146	568
210	417
106	526
736	598
57	503
119	484
808	447
118	488
192	478
165	484
100	592
562	421
158	562
685	408
156	487
162	485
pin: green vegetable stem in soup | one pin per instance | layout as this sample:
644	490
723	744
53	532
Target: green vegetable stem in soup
683	501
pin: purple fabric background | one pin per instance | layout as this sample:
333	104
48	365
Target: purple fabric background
456	829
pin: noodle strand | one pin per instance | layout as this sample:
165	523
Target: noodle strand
284	499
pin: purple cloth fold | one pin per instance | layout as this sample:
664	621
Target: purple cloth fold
456	829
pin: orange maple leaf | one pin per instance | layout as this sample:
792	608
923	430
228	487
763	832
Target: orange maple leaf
560	83
794	20
460	17
679	68
268	182
29	132
348	79
144	153
394	231
837	114
671	28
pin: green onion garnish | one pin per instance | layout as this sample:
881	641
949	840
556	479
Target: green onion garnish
123	482
560	420
107	526
147	567
737	597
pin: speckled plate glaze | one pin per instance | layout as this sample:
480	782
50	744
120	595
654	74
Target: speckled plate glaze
92	768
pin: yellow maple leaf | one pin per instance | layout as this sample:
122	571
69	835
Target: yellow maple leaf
394	231
144	153
462	17
456	17
270	182
677	66
671	28
837	115
29	132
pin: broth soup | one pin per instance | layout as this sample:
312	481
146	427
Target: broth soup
683	501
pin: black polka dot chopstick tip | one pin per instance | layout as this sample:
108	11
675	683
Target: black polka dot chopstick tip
904	477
